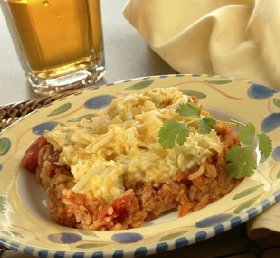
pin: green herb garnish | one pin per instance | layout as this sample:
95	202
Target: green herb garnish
264	145
189	109
206	124
240	159
172	132
247	133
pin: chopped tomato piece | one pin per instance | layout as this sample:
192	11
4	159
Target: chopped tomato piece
105	211
30	158
117	208
122	204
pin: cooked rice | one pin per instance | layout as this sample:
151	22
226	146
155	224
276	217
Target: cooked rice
140	195
189	190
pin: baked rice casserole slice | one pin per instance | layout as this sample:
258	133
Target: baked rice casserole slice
111	172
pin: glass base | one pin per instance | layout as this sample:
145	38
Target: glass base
76	80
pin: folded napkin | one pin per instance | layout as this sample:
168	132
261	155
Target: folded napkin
239	38
266	223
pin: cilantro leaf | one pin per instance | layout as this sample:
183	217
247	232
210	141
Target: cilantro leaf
206	124
241	161
172	132
189	109
264	145
247	134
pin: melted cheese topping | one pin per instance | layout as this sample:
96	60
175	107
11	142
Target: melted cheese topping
118	148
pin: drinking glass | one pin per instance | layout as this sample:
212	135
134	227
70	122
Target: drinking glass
59	42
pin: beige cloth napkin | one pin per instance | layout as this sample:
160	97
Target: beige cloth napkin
265	223
239	38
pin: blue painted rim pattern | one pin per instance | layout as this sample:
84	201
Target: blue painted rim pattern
155	248
159	247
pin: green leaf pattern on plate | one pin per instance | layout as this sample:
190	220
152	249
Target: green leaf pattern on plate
90	245
246	192
3	204
198	94
88	233
278	176
78	119
276	102
12	234
219	81
63	108
140	85
173	235
246	205
5	145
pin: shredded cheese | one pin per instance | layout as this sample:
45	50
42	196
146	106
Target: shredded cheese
118	148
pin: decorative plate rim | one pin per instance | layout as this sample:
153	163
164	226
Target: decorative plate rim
151	248
163	246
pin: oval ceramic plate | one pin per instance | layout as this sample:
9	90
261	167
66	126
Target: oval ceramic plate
25	224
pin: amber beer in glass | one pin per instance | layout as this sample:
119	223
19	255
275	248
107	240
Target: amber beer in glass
59	42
